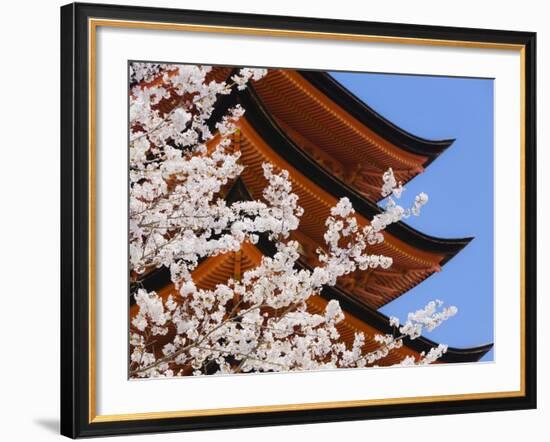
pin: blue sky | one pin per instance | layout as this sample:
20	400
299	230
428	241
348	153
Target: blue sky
459	185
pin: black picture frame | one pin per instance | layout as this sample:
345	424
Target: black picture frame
75	219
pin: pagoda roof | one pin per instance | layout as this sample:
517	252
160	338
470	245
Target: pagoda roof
357	108
369	117
341	132
357	315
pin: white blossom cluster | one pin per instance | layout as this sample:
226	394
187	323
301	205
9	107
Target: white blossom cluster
179	172
427	318
144	71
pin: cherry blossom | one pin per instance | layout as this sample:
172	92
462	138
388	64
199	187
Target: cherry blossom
180	165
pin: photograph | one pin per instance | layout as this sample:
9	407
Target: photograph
275	220
289	220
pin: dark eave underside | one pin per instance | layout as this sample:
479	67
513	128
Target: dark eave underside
373	120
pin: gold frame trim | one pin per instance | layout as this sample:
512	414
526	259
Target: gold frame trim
93	24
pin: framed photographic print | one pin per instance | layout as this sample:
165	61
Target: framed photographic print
278	220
